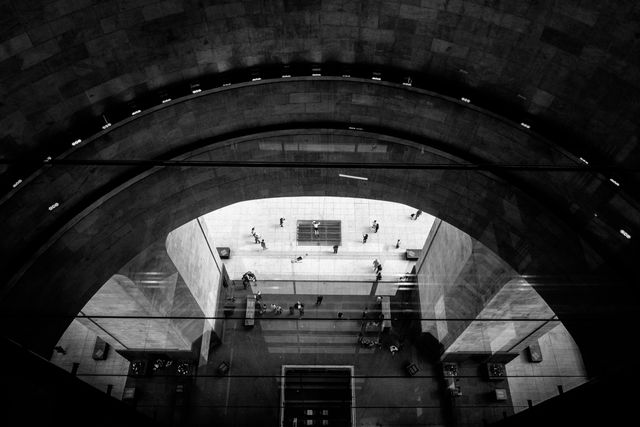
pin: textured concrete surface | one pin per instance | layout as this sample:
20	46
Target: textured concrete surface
195	257
572	64
78	342
561	366
64	63
458	278
515	300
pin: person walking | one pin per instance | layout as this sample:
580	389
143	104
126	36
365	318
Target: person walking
263	244
253	231
376	263
379	268
378	276
319	300
398	244
335	249
258	296
256	236
281	222
376	227
373	226
364	238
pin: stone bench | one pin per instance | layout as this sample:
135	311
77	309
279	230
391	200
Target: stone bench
251	310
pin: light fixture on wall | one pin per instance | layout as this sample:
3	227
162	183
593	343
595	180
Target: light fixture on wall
106	122
353	177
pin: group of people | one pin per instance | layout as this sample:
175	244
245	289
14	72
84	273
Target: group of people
247	278
374	226
258	238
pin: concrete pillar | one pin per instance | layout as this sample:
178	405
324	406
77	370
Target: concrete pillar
136	302
460	280
197	260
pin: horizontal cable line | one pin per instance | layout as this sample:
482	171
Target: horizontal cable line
294	317
304	377
329	405
319	164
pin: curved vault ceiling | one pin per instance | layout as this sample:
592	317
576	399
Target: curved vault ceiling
572	66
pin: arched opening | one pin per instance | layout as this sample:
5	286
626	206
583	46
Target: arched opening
182	304
104	221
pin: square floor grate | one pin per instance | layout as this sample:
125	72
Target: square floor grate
329	233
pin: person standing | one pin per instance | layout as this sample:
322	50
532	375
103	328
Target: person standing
379	268
263	244
376	227
316	232
319	300
378	276
281	222
257	237
373	226
335	249
364	238
376	263
398	244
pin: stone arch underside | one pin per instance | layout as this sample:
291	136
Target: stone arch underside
110	213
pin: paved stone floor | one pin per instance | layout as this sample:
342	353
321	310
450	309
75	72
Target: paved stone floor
231	227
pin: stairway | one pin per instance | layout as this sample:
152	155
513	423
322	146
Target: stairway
329	233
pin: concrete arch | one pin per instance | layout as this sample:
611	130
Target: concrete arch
99	227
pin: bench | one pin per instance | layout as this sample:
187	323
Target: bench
386	311
251	310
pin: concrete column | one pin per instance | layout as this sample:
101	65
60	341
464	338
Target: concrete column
197	260
460	280
136	302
